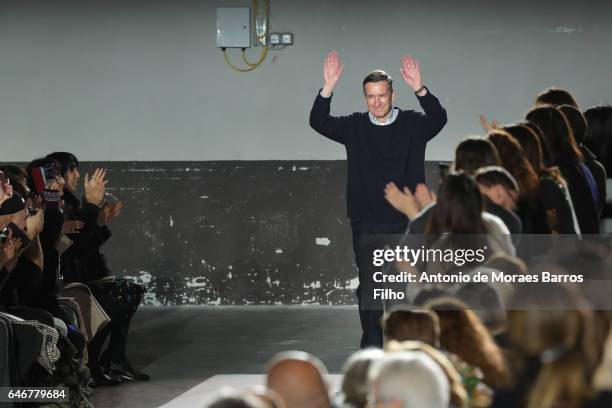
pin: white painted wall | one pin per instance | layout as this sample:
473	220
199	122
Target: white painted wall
143	80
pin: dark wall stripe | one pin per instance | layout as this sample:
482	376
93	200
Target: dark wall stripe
234	232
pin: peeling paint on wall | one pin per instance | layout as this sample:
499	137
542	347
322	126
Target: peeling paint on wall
240	233
323	241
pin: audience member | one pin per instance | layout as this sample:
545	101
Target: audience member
550	330
355	386
529	208
408	379
83	262
464	335
564	154
401	323
599	134
578	125
501	193
299	379
553	193
555	97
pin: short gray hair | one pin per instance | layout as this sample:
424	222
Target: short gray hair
409	377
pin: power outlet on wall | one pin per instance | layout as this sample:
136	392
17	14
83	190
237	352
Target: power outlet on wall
286	39
275	39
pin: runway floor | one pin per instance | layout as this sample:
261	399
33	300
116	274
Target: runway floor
183	347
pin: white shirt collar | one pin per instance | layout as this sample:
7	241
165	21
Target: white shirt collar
390	118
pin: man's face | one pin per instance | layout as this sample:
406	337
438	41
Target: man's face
71	179
379	98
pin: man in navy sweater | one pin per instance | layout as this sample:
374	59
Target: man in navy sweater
383	145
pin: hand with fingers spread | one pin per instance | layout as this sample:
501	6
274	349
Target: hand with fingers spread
411	73
72	226
424	196
109	212
402	201
332	71
95	187
117	207
57	184
486	125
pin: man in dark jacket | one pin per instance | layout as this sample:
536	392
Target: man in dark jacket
383	145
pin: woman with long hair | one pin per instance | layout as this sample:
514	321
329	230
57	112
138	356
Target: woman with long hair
459	207
550	332
513	159
458	219
598	137
565	154
552	187
463	334
473	153
593	169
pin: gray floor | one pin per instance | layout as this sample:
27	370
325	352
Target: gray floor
182	346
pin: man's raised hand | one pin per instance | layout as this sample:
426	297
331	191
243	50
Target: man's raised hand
411	72
332	71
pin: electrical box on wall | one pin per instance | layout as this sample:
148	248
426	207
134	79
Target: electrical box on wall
286	39
233	27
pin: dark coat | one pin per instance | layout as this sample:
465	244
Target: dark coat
83	262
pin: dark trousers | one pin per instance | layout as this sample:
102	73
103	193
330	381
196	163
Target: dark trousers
366	238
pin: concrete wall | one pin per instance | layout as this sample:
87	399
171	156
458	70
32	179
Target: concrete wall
129	83
143	80
234	232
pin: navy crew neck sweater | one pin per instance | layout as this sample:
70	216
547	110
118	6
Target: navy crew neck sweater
377	155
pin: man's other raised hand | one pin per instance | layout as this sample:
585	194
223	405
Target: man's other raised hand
411	72
332	71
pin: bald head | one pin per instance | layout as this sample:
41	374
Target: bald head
298	378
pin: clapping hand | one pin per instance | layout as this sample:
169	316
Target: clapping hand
402	201
332	71
411	72
109	212
95	187
424	196
57	184
486	125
